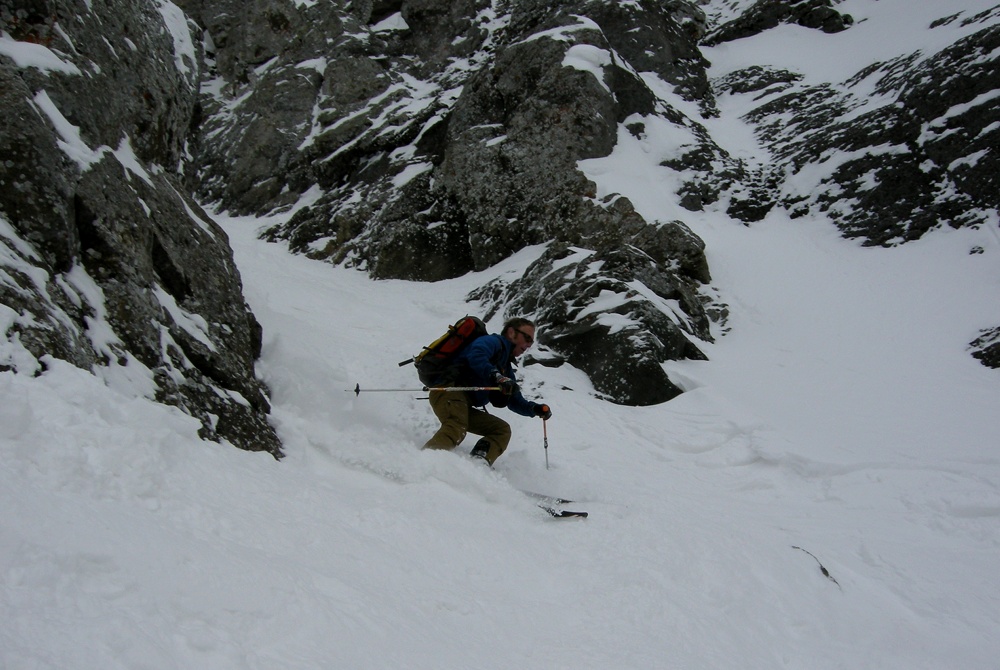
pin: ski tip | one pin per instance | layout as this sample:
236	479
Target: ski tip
564	513
570	514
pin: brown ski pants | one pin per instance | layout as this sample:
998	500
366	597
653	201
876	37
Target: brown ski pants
459	418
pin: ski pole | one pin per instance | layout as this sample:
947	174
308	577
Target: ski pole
545	435
357	390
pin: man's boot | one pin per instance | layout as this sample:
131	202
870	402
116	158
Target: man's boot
480	450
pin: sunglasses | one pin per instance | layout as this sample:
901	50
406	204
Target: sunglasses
527	338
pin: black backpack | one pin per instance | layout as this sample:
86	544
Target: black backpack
434	363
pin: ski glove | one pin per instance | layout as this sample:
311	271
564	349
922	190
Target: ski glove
507	385
543	411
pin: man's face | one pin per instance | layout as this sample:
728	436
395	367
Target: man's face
522	338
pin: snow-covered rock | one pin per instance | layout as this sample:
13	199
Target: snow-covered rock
105	259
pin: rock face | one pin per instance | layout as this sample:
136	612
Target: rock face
898	149
105	262
766	14
422	139
986	347
425	156
600	319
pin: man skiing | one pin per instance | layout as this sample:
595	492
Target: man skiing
487	361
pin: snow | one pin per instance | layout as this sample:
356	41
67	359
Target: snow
194	325
411	172
883	30
637	159
126	156
841	415
71	143
176	23
840	422
317	64
588	58
391	23
938	127
38	56
564	33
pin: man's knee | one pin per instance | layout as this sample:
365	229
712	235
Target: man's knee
453	413
498	431
448	436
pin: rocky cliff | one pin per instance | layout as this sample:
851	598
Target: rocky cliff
897	149
106	261
422	139
433	138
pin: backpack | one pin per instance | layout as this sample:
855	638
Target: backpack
434	363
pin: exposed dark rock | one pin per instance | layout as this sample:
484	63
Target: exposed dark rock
919	160
756	79
986	347
112	267
422	139
618	313
437	156
766	14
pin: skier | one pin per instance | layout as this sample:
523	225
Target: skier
487	361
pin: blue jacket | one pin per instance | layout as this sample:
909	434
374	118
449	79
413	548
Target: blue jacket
477	364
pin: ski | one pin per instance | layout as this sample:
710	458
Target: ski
564	513
555	500
553	505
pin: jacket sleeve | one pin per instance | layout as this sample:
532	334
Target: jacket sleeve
517	402
519	405
479	355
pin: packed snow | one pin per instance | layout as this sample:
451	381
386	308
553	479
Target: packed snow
826	494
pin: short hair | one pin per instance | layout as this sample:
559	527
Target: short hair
517	323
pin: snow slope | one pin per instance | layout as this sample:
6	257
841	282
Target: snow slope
128	543
839	423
